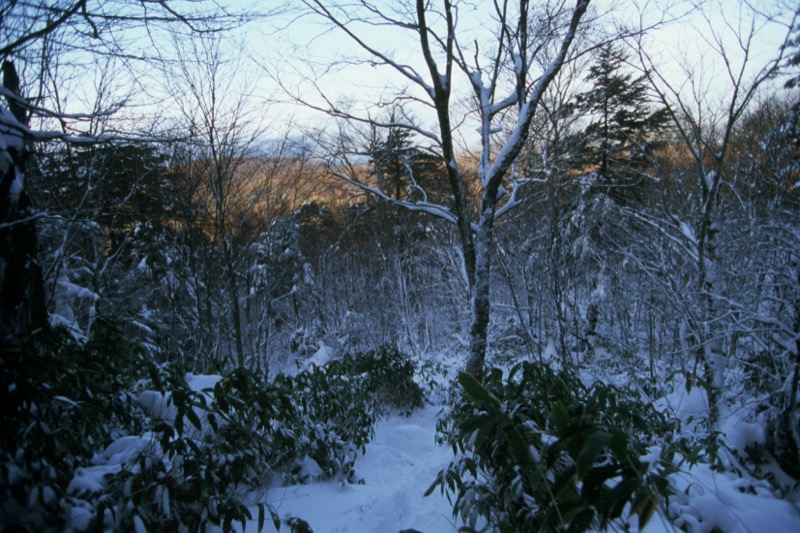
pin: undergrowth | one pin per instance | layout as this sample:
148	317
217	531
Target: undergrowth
538	450
96	436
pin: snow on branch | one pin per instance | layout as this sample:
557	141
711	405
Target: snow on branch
11	128
44	112
511	148
430	208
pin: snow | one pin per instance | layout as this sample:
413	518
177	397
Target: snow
157	405
403	460
710	179
688	233
17	186
320	358
126	449
740	434
11	139
199	382
399	465
730	504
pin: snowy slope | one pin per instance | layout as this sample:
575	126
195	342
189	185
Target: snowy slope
399	465
403	459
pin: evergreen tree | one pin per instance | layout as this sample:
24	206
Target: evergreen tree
402	170
624	126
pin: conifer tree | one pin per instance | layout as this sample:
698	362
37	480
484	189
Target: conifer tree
403	170
624	126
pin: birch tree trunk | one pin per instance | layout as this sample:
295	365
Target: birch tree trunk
501	75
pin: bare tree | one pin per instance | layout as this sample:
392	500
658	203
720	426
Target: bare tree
30	33
705	124
504	84
239	169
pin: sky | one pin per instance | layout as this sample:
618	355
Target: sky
686	46
300	52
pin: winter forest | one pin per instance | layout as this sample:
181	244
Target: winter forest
400	266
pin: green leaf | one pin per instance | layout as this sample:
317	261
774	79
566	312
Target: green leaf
276	521
244	515
645	508
560	417
476	391
261	517
471	424
193	418
489	424
592	448
582	521
519	447
619	497
618	444
432	487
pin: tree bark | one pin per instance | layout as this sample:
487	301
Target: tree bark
22	303
481	302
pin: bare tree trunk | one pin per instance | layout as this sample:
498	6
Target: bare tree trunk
236	312
22	303
790	413
481	303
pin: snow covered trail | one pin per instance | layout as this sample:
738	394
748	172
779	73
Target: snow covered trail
403	459
400	464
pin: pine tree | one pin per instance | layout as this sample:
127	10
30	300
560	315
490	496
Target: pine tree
624	126
403	170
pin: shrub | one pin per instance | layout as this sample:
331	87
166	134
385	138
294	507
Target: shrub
539	451
60	403
389	377
208	449
333	421
96	436
338	405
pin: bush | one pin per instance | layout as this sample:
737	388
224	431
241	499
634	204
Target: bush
96	436
333	420
60	402
389	378
338	405
208	448
539	451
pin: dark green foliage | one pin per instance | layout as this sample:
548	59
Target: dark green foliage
542	452
618	141
207	451
60	403
333	421
337	406
115	184
390	377
403	171
96	436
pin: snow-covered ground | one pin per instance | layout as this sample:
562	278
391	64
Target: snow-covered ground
400	464
403	459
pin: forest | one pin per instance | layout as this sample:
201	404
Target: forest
239	244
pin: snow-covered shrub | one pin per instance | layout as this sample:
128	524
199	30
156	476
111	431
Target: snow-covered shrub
98	436
390	377
333	422
61	402
539	451
337	406
90	442
211	445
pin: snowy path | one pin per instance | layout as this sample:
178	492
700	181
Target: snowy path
400	464
402	461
